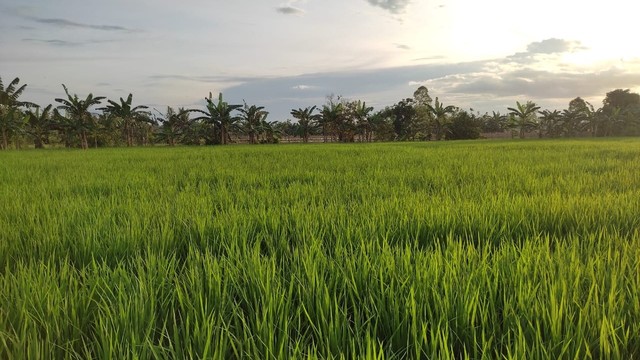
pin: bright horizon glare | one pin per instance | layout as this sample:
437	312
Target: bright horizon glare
292	54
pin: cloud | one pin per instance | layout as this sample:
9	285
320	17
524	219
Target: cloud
72	24
393	6
289	10
554	46
378	87
54	42
303	87
547	47
206	78
538	84
486	85
65	43
403	46
430	58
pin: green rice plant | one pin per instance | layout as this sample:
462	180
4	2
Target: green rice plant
374	251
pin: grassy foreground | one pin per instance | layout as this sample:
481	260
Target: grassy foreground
516	250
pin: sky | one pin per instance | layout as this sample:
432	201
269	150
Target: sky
285	55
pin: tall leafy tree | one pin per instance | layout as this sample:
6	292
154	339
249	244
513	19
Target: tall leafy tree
307	121
219	114
39	124
128	115
402	115
440	117
464	125
252	118
77	118
421	96
423	117
383	124
524	116
620	99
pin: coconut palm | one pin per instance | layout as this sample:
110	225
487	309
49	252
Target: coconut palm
306	121
77	119
252	117
39	124
523	116
219	115
440	118
128	115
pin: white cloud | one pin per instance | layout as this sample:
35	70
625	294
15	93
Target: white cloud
393	6
303	87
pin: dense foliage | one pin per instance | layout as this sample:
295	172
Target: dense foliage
397	250
78	122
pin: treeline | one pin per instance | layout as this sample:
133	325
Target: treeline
94	121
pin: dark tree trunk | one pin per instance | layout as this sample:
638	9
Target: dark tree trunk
5	139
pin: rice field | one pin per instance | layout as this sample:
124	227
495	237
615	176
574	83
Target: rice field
447	250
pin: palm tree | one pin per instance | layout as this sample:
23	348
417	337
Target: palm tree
219	115
128	114
306	121
440	118
78	118
252	116
38	125
523	116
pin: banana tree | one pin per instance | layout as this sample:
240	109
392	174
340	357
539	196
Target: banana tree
219	115
173	126
128	114
362	114
331	116
251	117
9	95
440	118
307	121
523	116
39	124
77	118
12	122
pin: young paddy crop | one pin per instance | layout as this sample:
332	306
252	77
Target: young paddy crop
480	250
